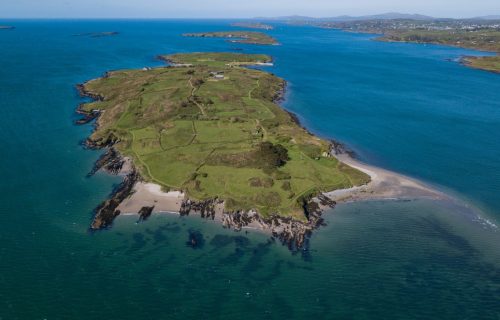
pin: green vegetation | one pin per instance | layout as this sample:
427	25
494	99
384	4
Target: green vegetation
485	63
487	40
253	25
219	59
187	129
248	37
472	34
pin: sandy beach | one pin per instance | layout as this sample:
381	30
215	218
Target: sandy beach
150	194
384	185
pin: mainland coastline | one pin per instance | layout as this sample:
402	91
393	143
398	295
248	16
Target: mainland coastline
479	35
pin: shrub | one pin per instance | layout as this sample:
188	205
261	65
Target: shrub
286	186
258	182
271	155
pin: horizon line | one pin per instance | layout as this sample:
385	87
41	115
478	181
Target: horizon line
277	18
284	17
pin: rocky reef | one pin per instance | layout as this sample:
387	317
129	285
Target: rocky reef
87	117
97	34
337	148
290	232
206	208
106	212
111	161
145	213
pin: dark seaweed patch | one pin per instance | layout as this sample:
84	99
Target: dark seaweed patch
220	241
195	239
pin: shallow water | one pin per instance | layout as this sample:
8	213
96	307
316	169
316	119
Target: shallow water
402	106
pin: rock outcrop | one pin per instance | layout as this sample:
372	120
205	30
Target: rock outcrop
290	232
145	213
111	161
106	212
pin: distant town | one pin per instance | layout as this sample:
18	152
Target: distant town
408	24
481	33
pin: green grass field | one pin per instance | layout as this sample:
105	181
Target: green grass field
187	129
484	63
248	37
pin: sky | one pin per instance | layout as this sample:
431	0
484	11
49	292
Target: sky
239	8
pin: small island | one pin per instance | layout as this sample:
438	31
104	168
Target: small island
97	34
253	25
7	27
207	136
246	37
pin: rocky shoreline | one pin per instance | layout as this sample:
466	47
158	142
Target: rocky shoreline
290	232
135	196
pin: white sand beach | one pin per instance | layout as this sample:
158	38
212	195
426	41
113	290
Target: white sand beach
150	194
384	184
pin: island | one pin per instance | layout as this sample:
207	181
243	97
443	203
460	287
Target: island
246	37
97	34
7	27
253	25
206	135
483	35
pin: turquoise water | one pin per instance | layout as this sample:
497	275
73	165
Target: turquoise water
405	107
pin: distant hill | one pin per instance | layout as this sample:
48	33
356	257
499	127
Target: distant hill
491	17
395	15
383	16
286	18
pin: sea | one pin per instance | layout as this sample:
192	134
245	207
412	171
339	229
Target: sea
410	108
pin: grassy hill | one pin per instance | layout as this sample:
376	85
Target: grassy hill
212	129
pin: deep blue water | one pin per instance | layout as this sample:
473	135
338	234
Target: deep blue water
406	107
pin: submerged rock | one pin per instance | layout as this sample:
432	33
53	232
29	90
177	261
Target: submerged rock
195	239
